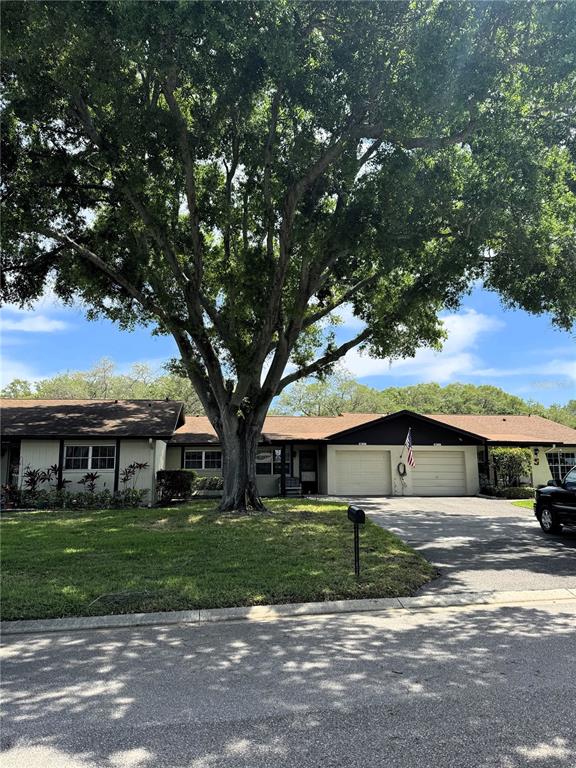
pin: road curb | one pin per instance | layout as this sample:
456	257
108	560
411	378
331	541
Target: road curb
283	611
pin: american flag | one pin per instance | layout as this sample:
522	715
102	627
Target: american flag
410	453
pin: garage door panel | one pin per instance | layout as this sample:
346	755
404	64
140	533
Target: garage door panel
439	473
363	473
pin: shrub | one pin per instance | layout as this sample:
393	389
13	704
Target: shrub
209	483
89	481
510	464
129	497
489	490
516	492
174	484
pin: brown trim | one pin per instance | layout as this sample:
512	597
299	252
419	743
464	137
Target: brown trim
117	466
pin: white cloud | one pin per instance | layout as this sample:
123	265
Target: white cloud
32	323
457	357
553	367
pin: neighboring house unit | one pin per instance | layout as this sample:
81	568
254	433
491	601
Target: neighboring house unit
347	455
80	436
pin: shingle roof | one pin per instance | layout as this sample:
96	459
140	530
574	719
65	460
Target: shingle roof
519	429
75	418
164	418
198	429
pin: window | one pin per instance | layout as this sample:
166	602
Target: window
277	463
193	459
212	460
77	457
264	462
89	457
202	459
103	456
269	462
560	462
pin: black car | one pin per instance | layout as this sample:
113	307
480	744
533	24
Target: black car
555	504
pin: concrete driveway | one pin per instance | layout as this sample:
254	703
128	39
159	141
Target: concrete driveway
479	544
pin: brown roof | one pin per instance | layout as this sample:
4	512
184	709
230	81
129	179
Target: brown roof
198	429
165	419
519	429
76	418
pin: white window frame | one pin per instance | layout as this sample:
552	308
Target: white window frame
203	452
88	468
561	467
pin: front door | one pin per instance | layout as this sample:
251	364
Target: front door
309	471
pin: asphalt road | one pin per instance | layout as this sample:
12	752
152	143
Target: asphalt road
479	544
485	687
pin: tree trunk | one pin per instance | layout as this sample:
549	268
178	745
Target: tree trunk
239	442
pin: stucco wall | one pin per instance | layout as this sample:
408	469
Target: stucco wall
395	453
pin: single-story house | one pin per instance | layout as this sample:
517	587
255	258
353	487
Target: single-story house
346	455
80	436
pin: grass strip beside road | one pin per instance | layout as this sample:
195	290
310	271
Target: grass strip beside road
93	562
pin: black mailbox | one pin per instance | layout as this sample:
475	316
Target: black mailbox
356	514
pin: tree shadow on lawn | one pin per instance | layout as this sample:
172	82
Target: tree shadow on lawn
462	687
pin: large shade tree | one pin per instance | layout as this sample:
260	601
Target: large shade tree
233	173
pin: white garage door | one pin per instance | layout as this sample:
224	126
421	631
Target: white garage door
360	473
439	473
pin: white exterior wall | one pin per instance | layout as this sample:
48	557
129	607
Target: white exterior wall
41	454
541	471
37	454
395	453
141	451
106	479
268	485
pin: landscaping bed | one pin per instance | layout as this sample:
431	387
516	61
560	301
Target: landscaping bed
91	562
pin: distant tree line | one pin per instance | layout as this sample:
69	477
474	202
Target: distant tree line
339	393
103	381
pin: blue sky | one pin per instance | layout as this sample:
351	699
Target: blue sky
486	344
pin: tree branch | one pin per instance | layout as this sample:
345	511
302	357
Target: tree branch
146	302
316	316
188	160
321	362
415	142
274	111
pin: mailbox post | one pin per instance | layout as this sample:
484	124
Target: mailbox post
357	516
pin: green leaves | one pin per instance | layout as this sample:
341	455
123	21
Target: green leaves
236	168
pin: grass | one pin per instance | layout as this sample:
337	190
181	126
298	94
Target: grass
82	563
526	503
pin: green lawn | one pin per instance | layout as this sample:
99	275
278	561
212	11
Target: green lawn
526	503
121	561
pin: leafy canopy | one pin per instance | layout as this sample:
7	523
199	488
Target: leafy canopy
232	173
341	393
103	381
